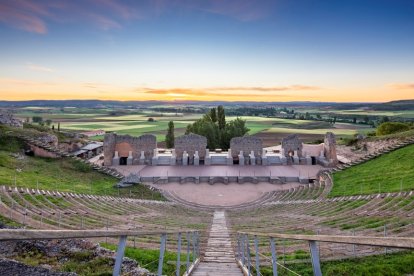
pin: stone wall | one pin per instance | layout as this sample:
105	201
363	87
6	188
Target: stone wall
330	148
38	151
246	144
125	143
290	144
190	143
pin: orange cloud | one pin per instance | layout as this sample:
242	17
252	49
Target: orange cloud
233	91
402	86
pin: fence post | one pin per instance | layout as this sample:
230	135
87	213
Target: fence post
316	265
178	254
194	246
188	251
249	261
162	250
243	259
119	255
238	247
256	248
274	256
385	235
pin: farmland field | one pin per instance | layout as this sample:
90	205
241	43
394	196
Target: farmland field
135	123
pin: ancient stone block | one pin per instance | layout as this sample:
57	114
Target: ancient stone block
330	148
125	144
247	144
190	143
292	144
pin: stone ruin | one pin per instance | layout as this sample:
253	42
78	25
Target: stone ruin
189	145
292	146
246	149
192	149
330	149
129	150
9	120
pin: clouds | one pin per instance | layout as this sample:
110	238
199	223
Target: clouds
37	16
228	91
401	86
38	68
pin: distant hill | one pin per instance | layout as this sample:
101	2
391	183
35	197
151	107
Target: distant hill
395	105
391	106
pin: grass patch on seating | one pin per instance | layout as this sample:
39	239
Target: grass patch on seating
401	263
391	172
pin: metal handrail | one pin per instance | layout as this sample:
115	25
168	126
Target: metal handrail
193	240
243	249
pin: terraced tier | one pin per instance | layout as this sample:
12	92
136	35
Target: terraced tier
367	215
58	210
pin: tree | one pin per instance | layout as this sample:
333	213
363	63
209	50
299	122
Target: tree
37	119
354	120
169	138
213	115
58	126
221	117
48	122
391	127
384	120
216	136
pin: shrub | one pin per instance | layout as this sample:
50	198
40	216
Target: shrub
391	127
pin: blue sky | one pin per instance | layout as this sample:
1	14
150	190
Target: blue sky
207	49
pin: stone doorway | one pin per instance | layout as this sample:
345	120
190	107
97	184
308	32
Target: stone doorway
313	160
123	161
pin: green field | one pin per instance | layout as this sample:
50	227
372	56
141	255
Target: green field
136	123
391	172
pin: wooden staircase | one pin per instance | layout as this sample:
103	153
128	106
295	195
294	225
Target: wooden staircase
219	256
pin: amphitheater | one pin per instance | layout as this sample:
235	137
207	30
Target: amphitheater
230	221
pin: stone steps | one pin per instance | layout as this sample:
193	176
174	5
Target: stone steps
218	258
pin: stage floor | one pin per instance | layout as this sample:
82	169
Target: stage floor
301	171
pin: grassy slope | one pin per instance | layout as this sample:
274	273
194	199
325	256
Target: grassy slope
63	174
401	263
383	174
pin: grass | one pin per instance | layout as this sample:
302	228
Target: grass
63	174
148	258
81	262
401	263
391	172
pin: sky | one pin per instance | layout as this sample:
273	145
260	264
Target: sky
207	50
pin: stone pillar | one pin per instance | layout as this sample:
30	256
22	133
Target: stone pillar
185	158
229	158
173	160
295	158
115	160
129	159
241	158
155	158
264	157
252	158
196	158
142	158
207	158
308	160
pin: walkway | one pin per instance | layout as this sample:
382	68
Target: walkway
219	256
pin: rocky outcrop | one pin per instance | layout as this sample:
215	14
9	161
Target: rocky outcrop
9	120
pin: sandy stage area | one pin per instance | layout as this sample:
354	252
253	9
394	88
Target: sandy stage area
222	194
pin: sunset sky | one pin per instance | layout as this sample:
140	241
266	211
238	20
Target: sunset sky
235	50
